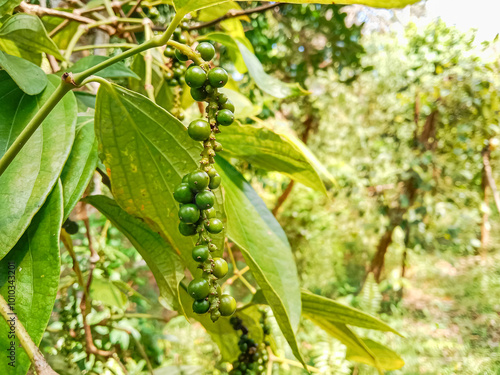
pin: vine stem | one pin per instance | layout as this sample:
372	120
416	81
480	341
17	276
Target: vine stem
70	82
34	354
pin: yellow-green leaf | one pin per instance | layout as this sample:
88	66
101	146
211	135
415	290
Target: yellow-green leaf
266	250
266	149
29	77
387	359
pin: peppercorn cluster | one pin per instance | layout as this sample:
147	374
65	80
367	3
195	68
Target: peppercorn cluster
195	193
254	357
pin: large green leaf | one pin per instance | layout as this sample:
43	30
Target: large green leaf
186	6
156	252
266	149
387	359
7	6
63	37
147	151
24	35
357	346
267	83
325	308
117	70
28	76
28	180
81	163
265	248
33	285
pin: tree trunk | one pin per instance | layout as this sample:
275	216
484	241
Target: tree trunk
378	260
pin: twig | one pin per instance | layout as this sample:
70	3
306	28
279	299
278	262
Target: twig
134	8
53	63
39	11
235	13
35	355
283	197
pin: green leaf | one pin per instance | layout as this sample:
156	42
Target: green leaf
387	359
117	70
28	180
269	84
231	47
63	37
265	248
23	35
268	150
325	308
156	252
105	291
186	6
7	6
147	151
35	261
81	163
243	107
28	76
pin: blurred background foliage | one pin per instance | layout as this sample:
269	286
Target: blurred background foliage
403	119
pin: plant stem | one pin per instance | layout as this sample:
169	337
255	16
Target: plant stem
33	125
109	45
35	355
148	59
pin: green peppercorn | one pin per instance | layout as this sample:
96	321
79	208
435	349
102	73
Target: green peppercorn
180	56
195	76
189	213
182	39
201	306
225	117
198	93
169	51
214	225
198	181
227	305
220	268
206	50
217	77
198	288
183	193
200	253
199	130
214	182
187	229
210	213
205	199
228	105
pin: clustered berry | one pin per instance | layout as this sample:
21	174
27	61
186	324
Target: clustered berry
253	358
195	193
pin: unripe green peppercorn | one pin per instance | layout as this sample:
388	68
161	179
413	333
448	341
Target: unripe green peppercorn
187	229
228	105
180	56
210	213
183	193
201	306
195	76
199	130
214	182
200	253
225	117
214	225
206	50
198	180
189	213
198	93
205	199
198	288
217	77
220	268
227	305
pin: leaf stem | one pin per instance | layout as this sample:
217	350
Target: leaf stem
33	125
100	46
34	354
148	59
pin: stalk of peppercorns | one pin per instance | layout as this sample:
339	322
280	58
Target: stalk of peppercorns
195	193
254	357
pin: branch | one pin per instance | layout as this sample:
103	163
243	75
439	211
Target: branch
489	177
233	14
39	11
134	8
35	355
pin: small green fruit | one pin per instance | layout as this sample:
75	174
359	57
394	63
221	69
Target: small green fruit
227	305
206	50
199	130
198	288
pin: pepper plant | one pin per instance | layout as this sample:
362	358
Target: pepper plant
173	191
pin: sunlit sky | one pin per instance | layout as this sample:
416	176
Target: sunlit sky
482	15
